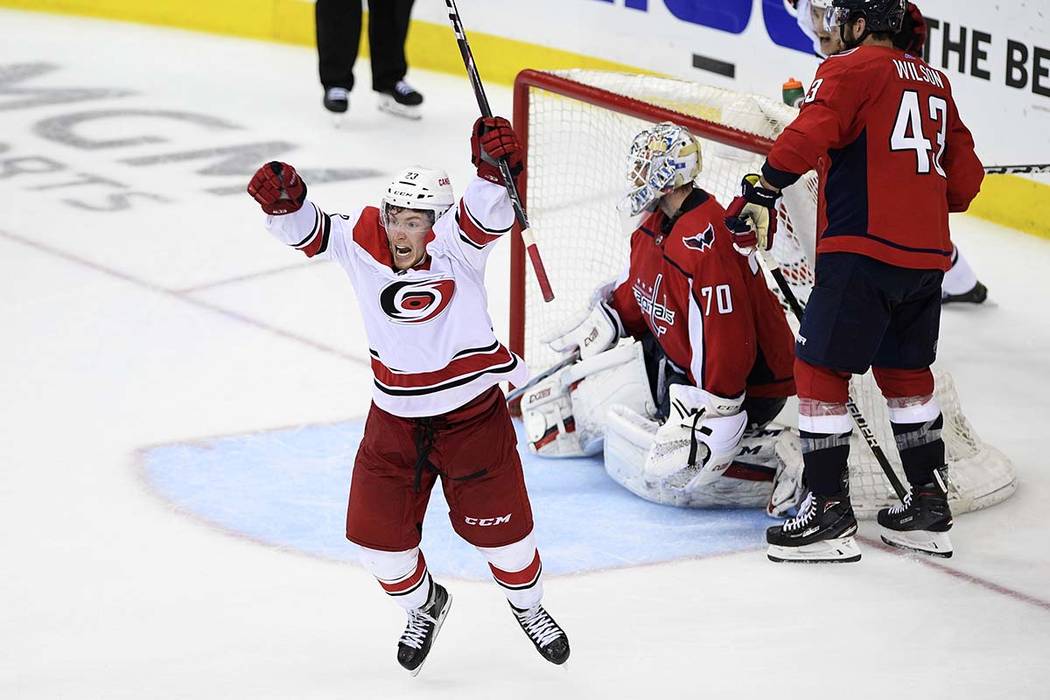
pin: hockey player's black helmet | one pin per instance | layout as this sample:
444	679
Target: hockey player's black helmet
880	15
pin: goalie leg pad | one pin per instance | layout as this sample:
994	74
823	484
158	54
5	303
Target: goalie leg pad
630	439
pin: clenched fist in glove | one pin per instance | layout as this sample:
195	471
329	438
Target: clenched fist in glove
277	188
752	217
492	139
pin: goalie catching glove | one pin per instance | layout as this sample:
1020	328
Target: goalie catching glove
277	188
752	216
494	139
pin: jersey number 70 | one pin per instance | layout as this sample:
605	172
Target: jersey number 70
908	133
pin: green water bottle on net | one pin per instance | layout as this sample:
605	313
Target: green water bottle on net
794	93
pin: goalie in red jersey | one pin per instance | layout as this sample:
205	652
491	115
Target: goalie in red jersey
714	363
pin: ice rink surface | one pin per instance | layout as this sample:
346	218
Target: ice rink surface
144	307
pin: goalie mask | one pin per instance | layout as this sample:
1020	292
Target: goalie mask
661	158
423	189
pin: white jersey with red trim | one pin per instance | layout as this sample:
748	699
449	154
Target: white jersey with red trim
430	335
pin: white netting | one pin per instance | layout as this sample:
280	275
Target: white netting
577	151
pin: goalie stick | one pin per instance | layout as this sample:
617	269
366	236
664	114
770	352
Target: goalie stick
508	180
1016	169
549	372
771	264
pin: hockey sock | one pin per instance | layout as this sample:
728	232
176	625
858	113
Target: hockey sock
825	455
921	449
518	570
402	575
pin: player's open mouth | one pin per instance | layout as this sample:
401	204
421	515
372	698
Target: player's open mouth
402	250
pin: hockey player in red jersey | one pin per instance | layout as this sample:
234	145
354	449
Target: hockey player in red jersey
894	159
417	264
960	281
717	346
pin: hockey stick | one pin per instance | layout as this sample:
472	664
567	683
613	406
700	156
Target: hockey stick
545	374
771	264
483	103
1016	169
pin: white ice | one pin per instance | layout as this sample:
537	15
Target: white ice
176	321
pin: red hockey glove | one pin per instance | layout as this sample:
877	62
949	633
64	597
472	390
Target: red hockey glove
744	236
754	209
277	188
913	31
492	139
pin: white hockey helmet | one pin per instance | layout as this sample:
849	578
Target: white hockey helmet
661	158
811	19
419	188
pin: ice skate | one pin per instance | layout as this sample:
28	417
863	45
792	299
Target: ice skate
422	629
550	639
977	295
921	523
402	100
337	99
821	532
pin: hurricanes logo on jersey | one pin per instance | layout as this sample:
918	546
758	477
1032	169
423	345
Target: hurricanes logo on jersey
701	241
417	301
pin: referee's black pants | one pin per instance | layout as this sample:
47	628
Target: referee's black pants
338	25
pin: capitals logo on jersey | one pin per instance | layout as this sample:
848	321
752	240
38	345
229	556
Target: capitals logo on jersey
417	301
653	309
701	241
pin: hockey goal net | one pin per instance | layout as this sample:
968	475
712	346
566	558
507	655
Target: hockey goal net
577	126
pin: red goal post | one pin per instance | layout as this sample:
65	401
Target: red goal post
576	127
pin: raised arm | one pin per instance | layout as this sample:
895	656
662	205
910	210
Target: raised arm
484	214
292	218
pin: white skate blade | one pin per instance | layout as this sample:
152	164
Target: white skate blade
340	120
936	544
389	104
437	628
842	549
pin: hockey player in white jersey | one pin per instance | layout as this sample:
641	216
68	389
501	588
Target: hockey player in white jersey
960	282
417	264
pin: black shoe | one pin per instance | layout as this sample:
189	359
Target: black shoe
977	295
337	99
821	532
550	640
402	100
422	629
921	523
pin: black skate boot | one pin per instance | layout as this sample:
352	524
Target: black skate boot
337	99
921	522
402	100
977	295
821	532
550	640
422	629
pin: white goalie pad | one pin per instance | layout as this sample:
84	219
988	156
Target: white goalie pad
566	415
629	444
